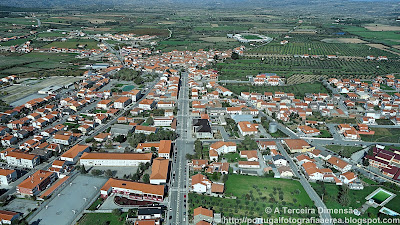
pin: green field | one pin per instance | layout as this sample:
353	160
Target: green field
251	37
102	218
254	194
380	197
34	63
383	135
73	43
14	42
320	48
345	151
384	37
299	90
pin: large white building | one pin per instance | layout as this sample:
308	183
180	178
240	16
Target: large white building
7	176
21	159
163	121
223	147
200	183
114	159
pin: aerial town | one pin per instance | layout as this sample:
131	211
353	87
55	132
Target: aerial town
182	116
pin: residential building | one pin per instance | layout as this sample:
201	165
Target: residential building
8	217
223	147
339	164
159	171
297	145
200	183
22	159
247	128
7	176
36	183
74	153
202	214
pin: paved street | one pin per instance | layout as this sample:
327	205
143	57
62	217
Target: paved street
183	145
304	182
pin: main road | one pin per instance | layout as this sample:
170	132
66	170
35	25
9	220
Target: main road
177	211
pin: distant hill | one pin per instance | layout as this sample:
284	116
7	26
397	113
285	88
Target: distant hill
290	4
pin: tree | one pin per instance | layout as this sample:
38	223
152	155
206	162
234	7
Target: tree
198	149
83	170
189	156
96	172
343	195
153	149
108	173
146	178
150	121
235	56
116	212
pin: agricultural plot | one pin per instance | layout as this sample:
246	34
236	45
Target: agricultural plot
288	66
253	195
320	48
298	90
384	37
73	43
33	62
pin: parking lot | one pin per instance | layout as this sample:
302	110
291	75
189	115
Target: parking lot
23	206
118	171
71	201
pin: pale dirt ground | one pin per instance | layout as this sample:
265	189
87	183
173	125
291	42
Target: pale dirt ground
167	22
381	27
214	25
16	92
344	40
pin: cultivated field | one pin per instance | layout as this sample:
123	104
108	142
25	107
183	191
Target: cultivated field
343	40
253	195
381	27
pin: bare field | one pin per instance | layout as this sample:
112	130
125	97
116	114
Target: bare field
217	39
304	32
343	40
301	78
16	92
166	22
381	27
